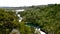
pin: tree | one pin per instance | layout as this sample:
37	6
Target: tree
8	22
48	18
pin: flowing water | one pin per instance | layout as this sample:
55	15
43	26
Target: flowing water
17	11
37	29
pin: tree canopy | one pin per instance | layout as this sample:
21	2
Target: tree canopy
8	22
48	18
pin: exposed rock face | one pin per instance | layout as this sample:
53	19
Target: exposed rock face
15	31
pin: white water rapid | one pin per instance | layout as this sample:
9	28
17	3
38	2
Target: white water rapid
37	30
20	19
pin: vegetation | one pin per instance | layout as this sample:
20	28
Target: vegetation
8	22
47	18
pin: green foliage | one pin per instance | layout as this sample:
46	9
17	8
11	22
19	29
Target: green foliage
26	29
48	18
8	22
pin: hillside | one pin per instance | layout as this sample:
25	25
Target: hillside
47	18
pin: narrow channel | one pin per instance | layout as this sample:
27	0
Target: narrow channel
37	28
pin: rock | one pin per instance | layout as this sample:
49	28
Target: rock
15	31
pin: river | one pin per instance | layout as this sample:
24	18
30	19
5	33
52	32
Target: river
37	28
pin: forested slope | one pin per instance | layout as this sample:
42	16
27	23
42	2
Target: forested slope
47	18
8	22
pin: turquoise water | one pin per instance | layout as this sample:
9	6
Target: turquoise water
32	25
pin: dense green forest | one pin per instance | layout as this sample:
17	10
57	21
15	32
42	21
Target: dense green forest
8	22
47	18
